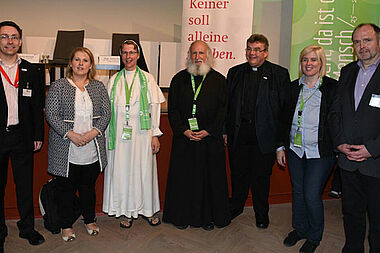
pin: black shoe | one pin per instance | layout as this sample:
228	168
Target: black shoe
181	227
208	227
1	246
308	247
335	194
262	223
33	237
292	239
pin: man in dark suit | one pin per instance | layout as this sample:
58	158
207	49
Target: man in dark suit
357	137
21	128
256	96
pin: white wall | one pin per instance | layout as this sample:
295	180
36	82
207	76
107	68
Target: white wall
154	20
273	18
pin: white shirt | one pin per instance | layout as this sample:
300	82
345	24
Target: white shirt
11	92
86	154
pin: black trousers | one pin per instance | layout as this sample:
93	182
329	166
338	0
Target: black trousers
360	194
250	168
13	146
336	183
82	178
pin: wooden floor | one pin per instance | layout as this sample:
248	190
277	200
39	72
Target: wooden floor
240	236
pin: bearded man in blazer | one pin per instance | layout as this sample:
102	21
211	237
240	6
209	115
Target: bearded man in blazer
356	134
256	93
21	128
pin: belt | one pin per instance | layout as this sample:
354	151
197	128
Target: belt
12	128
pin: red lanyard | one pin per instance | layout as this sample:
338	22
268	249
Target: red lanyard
15	84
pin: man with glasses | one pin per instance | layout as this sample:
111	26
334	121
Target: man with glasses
256	96
21	129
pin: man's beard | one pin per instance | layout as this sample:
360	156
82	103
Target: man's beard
197	70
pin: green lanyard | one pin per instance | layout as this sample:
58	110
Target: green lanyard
300	110
196	93
128	93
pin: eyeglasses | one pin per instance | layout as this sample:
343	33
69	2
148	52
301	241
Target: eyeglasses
131	53
7	37
255	50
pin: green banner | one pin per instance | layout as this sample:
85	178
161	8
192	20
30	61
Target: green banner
329	23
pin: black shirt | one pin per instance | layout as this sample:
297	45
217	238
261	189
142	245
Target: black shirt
251	87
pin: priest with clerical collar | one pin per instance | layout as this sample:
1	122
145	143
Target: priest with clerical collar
256	93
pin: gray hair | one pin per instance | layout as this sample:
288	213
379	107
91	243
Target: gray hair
210	56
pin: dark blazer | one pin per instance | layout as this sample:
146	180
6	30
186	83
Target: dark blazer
361	126
30	109
329	91
274	81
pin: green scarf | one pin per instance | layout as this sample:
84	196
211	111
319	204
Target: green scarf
144	107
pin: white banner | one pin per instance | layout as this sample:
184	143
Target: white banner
224	25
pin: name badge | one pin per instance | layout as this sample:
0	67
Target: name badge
127	133
27	92
298	138
193	123
375	101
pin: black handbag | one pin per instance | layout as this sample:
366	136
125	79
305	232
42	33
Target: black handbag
48	203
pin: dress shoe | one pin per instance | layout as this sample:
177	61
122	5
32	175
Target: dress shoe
208	227
308	247
335	194
181	227
262	224
33	237
292	239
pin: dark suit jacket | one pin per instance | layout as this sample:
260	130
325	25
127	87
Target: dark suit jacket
360	126
30	109
329	91
271	94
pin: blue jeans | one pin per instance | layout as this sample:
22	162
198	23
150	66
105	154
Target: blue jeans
308	178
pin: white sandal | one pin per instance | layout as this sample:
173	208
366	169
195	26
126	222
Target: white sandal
70	237
92	231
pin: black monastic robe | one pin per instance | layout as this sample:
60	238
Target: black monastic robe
197	191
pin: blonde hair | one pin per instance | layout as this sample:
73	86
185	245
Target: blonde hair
321	57
91	73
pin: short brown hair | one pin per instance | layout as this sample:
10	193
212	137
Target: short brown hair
13	24
91	73
375	28
258	38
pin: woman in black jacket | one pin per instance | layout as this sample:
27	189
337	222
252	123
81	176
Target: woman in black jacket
304	134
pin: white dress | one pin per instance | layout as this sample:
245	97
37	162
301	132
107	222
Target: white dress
130	179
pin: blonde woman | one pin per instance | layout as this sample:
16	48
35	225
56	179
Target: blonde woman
309	150
78	112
